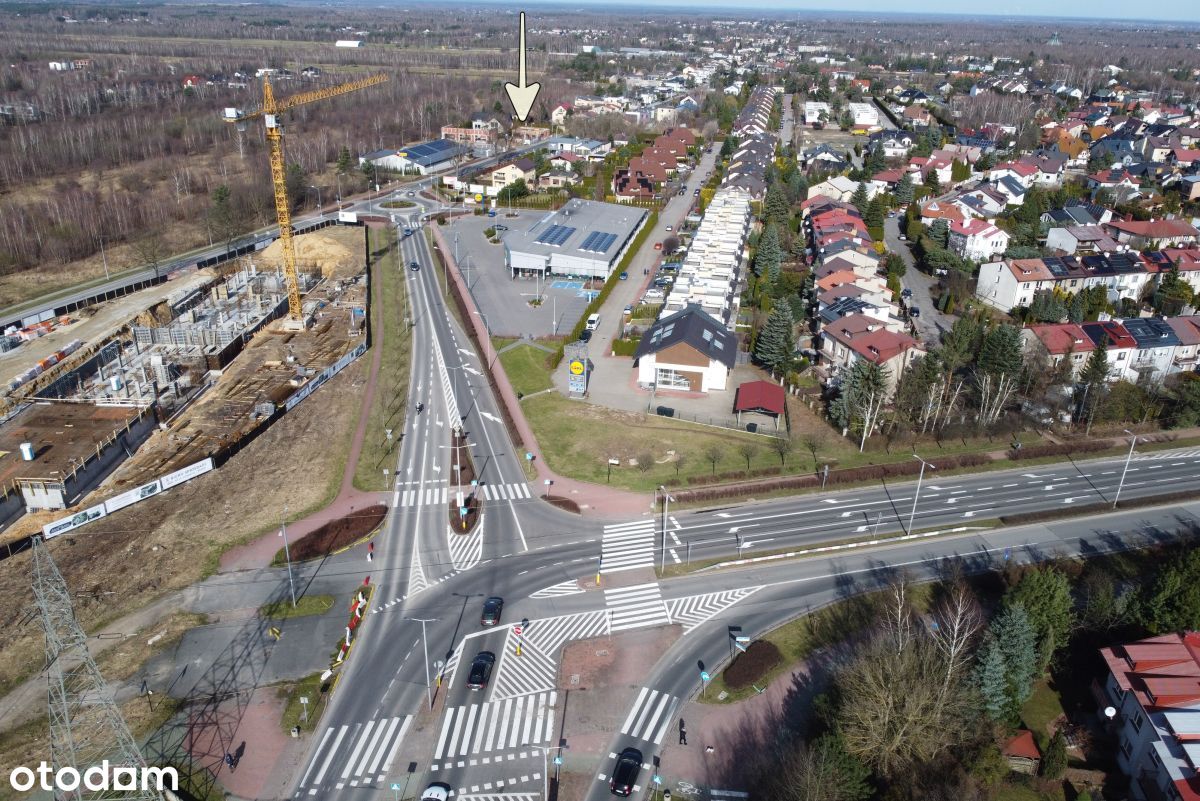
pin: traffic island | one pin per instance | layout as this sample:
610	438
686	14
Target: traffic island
334	536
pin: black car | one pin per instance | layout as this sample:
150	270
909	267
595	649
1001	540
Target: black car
585	336
412	265
481	670
625	772
913	311
491	611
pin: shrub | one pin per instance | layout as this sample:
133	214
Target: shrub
750	667
1059	449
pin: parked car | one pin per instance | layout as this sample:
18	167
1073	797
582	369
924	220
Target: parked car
658	245
913	311
628	311
438	791
585	336
481	670
412	194
623	276
412	265
625	772
669	229
492	608
653	294
906	293
669	268
664	281
696	192
903	238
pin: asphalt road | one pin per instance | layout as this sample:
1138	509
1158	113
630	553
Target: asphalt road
931	323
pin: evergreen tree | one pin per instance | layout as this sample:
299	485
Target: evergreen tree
860	400
769	256
775	205
904	189
1095	371
797	188
939	232
297	184
776	341
876	161
894	264
959	171
1046	308
1172	602
859	199
934	183
1054	761
344	161
1045	595
1076	309
992	680
1018	644
727	147
874	214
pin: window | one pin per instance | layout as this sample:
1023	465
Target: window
1136	721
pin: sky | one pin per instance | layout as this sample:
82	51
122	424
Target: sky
1162	10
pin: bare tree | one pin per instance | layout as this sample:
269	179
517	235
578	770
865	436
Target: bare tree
150	250
957	620
714	452
813	442
748	450
899	621
645	461
782	447
681	459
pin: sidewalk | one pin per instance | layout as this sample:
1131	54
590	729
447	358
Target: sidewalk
593	499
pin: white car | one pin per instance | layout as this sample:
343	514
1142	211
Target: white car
669	228
653	294
436	792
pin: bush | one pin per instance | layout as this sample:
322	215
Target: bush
750	667
1059	449
625	347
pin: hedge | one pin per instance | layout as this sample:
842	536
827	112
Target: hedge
609	285
747	668
1059	449
625	347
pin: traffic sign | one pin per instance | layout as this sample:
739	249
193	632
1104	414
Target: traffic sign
657	779
704	675
395	785
478	198
517	631
462	511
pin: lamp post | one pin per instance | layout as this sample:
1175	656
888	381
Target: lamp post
104	257
917	494
488	329
546	749
425	647
1128	459
287	555
319	204
666	505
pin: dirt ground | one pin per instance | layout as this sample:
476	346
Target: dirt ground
338	534
336	251
168	542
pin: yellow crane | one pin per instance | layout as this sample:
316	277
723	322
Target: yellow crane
270	112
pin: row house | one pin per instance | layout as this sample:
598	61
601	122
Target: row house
1009	283
1154	234
711	270
1143	350
858	337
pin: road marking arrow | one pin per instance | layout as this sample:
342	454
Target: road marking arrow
491	417
521	94
471	370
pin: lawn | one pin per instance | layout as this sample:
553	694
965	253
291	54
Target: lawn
392	335
293	711
1042	709
305	605
526	369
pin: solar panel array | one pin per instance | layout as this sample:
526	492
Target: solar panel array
598	242
555	235
1057	267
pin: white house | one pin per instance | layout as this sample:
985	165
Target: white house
977	240
689	350
865	115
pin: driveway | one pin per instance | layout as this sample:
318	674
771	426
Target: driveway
931	323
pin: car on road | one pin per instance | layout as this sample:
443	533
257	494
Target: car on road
669	229
906	293
623	276
412	194
696	192
492	608
903	238
658	245
491	212
913	311
625	772
481	670
438	791
408	232
629	311
412	265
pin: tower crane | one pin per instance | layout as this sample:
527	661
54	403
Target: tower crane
270	111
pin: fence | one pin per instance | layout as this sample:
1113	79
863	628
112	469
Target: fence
721	422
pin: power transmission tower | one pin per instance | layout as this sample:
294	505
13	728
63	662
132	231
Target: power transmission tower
86	726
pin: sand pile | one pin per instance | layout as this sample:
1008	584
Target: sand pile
330	252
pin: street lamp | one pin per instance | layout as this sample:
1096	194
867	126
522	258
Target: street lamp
1128	459
662	553
917	494
546	749
287	555
319	204
425	646
488	329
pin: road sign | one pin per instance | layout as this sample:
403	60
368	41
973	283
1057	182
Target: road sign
395	785
528	457
704	676
462	511
517	631
742	639
478	198
657	779
576	367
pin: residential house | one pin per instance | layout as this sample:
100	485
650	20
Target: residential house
1120	345
865	116
1116	180
628	185
838	187
858	337
1152	687
1187	331
1020	171
688	350
917	116
977	240
559	114
523	169
557	179
1153	356
895	144
1081	239
1059	342
1153	234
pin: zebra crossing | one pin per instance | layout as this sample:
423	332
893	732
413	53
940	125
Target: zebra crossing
569	587
502	796
536	669
1189	453
465	549
636	607
484	728
651	714
372	748
504	492
627	546
421	496
696	609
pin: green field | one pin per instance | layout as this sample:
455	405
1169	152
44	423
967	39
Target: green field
526	369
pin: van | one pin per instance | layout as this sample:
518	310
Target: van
593	322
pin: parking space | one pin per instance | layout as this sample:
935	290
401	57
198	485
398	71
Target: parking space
505	300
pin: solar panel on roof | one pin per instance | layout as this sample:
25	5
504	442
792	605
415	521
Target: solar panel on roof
555	235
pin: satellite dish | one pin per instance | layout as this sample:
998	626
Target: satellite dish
1110	712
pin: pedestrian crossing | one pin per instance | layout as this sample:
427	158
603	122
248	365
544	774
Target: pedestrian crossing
536	669
504	492
484	728
466	549
502	796
1189	453
570	587
636	607
697	609
371	749
627	546
422	496
652	712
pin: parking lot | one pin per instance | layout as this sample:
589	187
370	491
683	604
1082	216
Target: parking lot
505	300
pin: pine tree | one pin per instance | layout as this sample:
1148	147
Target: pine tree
874	214
1095	371
905	189
939	232
998	370
775	205
344	161
776	341
993	682
876	161
859	199
860	401
1018	644
770	254
934	183
1077	308
1045	594
1054	761
959	171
